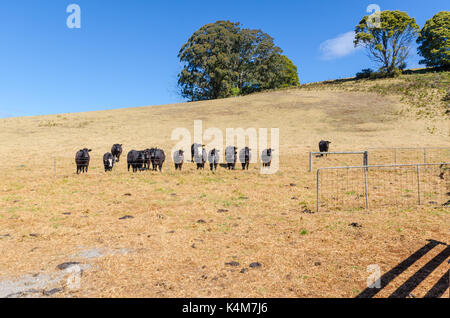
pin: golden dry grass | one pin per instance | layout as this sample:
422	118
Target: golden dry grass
177	244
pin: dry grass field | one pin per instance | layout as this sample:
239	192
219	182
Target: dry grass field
195	233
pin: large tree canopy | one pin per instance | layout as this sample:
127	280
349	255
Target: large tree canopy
387	42
222	59
434	41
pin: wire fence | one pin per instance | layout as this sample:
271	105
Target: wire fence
410	155
347	158
64	166
379	156
364	187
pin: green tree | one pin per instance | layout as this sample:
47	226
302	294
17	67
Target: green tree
434	41
388	40
210	57
222	59
289	73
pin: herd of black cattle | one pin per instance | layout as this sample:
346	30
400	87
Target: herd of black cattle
154	158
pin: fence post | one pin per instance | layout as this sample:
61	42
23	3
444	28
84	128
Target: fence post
366	189
317	201
366	158
310	162
418	183
258	158
54	165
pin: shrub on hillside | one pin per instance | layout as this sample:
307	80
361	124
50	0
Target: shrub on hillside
365	73
383	74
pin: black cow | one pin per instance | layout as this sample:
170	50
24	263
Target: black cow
324	146
195	148
178	159
136	160
244	157
116	151
200	158
108	161
213	159
82	159
266	157
157	157
147	158
230	157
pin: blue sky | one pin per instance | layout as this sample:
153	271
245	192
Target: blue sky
125	53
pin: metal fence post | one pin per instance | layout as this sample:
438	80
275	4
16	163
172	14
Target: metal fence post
365	187
310	162
366	158
317	201
418	183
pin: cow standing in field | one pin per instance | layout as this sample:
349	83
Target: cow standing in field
157	157
230	157
213	159
82	159
116	151
244	157
178	159
266	157
195	150
136	160
324	146
108	161
147	158
200	157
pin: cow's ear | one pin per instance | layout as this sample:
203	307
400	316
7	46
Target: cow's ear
90	150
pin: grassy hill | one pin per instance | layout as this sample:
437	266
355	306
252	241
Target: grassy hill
187	225
353	113
425	94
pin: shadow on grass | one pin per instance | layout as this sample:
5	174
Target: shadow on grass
411	283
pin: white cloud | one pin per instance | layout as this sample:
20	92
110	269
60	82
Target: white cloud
340	46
